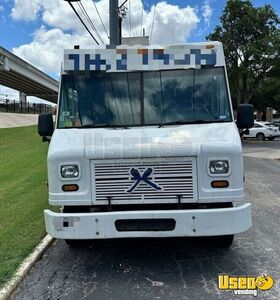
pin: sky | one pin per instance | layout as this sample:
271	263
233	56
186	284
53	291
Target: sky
39	30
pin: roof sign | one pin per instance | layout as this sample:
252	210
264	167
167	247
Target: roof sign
139	58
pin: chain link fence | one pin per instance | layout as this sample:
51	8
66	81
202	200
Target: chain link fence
12	106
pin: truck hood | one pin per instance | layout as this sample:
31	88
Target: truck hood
178	140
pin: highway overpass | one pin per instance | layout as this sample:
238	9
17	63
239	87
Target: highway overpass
18	74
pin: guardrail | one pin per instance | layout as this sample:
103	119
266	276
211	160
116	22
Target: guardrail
12	106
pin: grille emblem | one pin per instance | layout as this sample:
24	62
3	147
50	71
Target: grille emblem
138	178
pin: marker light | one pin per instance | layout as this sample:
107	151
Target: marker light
220	184
70	187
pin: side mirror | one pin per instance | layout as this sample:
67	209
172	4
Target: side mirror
245	116
45	126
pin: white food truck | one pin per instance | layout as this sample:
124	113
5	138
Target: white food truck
145	145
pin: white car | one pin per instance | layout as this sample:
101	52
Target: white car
262	131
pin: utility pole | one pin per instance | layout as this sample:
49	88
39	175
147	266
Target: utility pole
116	15
114	23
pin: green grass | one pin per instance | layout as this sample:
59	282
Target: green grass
23	195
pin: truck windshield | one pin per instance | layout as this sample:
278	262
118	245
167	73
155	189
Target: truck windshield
93	99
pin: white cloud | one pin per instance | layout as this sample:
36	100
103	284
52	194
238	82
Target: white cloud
60	15
61	28
207	12
6	92
26	10
171	23
46	49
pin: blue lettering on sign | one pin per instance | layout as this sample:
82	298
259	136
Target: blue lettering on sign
138	178
122	63
161	56
76	58
97	62
186	61
209	58
145	59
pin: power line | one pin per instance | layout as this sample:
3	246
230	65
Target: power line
129	10
90	21
126	24
73	8
100	18
121	6
83	10
153	23
133	26
142	2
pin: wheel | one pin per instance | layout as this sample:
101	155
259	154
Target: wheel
260	137
271	138
223	241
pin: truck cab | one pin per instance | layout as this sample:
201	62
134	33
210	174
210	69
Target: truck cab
145	145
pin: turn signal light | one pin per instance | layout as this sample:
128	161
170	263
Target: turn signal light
220	184
210	46
70	187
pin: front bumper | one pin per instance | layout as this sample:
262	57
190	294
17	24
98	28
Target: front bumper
195	222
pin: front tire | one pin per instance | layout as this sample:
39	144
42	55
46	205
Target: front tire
260	137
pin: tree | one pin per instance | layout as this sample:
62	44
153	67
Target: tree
251	40
267	95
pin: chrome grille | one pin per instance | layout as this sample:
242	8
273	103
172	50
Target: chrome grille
177	177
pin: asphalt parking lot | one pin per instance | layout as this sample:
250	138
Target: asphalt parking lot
171	268
265	149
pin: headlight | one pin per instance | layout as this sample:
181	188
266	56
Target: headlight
219	166
69	171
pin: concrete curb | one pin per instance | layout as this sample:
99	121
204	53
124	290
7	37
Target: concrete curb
24	268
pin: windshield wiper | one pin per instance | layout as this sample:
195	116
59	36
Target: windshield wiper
177	122
105	125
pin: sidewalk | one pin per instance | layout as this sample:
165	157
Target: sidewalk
8	120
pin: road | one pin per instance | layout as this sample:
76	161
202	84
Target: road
169	268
